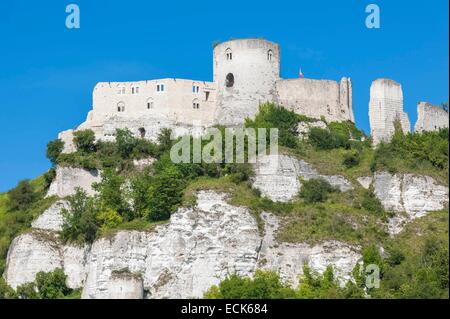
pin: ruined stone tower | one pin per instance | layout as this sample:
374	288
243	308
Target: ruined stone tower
385	108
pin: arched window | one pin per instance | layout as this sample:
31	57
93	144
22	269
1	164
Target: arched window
229	54
121	107
229	80
149	103
269	55
195	104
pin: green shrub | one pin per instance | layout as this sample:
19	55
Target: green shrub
21	196
316	190
47	285
54	149
111	193
264	285
84	141
371	203
126	142
351	159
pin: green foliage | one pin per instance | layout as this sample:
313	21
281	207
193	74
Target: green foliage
108	219
316	190
111	193
84	141
80	220
126	142
21	196
425	153
351	159
273	116
114	155
6	292
267	285
54	149
166	193
264	285
371	203
47	285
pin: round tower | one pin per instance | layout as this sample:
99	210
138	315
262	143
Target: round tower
245	72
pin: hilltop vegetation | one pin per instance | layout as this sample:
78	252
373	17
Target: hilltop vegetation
127	198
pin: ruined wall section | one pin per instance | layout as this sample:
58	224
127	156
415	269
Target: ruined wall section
430	117
385	108
317	98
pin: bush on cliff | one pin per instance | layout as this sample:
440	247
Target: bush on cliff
54	149
316	190
84	141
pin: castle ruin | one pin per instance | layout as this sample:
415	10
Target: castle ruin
246	73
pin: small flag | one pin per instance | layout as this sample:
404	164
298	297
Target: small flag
301	73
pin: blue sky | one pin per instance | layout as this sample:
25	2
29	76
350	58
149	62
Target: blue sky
47	71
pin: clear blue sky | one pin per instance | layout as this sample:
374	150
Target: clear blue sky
47	72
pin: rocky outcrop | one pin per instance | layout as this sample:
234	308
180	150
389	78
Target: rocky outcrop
412	194
430	117
69	178
141	164
199	247
365	181
51	218
288	258
278	177
41	251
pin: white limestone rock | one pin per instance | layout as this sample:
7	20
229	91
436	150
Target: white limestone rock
412	194
199	247
69	178
365	181
288	258
38	251
277	177
51	218
141	164
124	285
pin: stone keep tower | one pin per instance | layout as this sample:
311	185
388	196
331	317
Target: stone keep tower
386	107
245	72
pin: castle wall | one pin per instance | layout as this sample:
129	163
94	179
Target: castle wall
385	107
255	66
430	117
317	98
136	99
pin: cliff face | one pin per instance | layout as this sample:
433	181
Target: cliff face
181	259
409	196
278	177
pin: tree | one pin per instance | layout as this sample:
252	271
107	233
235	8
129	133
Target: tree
54	149
80	221
52	285
84	141
126	142
21	196
165	193
111	193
